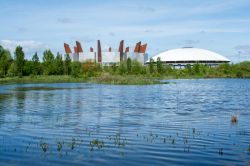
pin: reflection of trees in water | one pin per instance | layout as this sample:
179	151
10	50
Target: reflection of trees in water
47	107
4	101
20	98
121	100
100	99
67	100
68	106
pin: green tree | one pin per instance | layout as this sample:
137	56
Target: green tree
129	65
36	64
19	60
99	67
76	69
225	68
168	69
189	69
12	70
90	68
48	62
196	68
28	68
122	67
151	65
5	61
59	69
204	69
114	68
159	65
67	65
136	67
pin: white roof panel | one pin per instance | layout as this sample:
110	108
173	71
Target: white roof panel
190	54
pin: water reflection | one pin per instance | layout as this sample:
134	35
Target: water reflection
184	123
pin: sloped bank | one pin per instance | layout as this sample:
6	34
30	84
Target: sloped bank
104	78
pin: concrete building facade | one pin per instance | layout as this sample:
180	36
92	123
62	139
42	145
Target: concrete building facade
109	57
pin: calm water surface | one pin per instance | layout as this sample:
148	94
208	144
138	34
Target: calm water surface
186	122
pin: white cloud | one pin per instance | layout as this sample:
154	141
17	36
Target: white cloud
29	46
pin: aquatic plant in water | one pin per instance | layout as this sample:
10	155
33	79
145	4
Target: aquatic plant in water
234	119
73	143
221	151
96	143
59	146
44	146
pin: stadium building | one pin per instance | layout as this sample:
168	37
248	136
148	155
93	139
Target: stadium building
181	57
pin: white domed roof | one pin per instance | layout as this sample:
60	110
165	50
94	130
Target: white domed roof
190	54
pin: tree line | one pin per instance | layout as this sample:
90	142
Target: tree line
19	66
55	65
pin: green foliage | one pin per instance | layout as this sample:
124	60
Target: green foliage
225	68
114	68
151	65
48	63
129	65
239	74
99	67
67	65
168	70
56	66
189	69
28	68
122	68
36	67
35	58
59	68
196	68
90	68
136	68
12	70
76	69
159	65
19	60
5	61
107	78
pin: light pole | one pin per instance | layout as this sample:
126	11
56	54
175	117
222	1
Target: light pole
239	55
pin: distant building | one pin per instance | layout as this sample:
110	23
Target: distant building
109	57
181	57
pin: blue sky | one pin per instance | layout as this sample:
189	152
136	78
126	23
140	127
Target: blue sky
222	26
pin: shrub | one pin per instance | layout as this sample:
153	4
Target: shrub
129	65
151	65
76	69
159	65
122	68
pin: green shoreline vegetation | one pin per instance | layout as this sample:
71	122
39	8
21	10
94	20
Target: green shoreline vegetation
53	69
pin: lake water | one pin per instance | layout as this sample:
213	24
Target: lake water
186	122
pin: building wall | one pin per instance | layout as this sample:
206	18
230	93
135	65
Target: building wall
87	56
140	57
110	57
74	57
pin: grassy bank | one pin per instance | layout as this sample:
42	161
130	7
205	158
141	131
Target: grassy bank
41	79
124	80
104	78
